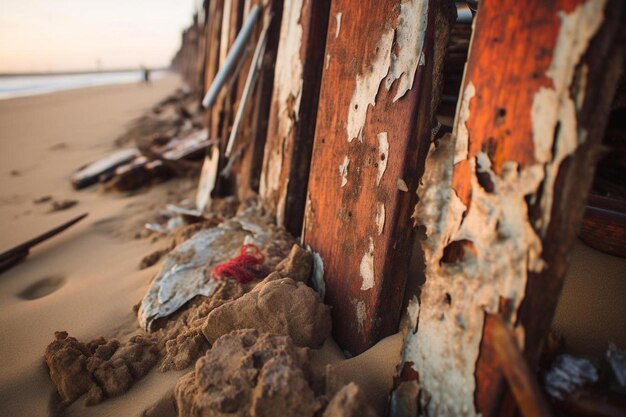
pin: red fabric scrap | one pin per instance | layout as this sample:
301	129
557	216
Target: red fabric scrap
243	268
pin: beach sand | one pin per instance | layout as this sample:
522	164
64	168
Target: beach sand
85	280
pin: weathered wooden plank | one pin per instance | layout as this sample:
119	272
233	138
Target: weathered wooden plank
502	196
297	78
254	132
375	114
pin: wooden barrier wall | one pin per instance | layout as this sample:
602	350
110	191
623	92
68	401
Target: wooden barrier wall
347	98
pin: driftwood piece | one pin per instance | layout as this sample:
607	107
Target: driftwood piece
16	254
91	173
502	197
375	116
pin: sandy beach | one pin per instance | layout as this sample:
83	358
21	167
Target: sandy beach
85	280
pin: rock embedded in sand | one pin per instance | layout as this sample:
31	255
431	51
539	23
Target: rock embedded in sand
249	374
101	368
278	306
349	402
297	265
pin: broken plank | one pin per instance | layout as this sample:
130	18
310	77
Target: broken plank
375	115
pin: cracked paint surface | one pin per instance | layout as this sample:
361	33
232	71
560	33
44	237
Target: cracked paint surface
410	35
398	54
504	247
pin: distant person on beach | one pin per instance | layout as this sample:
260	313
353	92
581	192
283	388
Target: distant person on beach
146	75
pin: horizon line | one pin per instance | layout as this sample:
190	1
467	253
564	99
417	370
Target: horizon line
77	72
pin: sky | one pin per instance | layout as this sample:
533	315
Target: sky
69	35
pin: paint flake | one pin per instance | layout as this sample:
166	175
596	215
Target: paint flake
367	267
343	171
402	185
410	35
383	157
338	27
380	217
367	86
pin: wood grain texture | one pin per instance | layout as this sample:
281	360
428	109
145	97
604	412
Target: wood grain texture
362	230
289	144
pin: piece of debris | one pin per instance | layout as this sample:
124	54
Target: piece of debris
15	173
62	205
616	359
152	258
43	199
569	374
16	254
187	270
278	306
91	173
250	374
101	368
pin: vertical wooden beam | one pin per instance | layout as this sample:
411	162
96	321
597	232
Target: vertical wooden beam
502	196
297	78
375	115
255	132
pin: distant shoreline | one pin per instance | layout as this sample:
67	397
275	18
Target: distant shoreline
77	72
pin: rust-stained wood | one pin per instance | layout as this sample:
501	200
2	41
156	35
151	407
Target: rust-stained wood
521	380
366	157
289	143
506	191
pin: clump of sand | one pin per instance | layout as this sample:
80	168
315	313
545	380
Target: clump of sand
101	368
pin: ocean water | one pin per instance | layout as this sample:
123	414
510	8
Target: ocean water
28	85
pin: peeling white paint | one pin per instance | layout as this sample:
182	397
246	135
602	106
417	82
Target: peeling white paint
402	185
343	170
462	142
380	217
552	106
367	267
288	92
327	61
367	85
410	35
338	26
386	66
383	155
455	296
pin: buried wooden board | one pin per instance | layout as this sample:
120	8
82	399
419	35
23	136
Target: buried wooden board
289	143
374	118
502	196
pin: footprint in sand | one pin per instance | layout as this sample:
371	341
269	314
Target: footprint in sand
41	288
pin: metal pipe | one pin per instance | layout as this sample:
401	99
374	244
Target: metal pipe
232	58
255	66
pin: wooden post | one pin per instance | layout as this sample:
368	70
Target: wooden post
376	109
503	195
297	78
